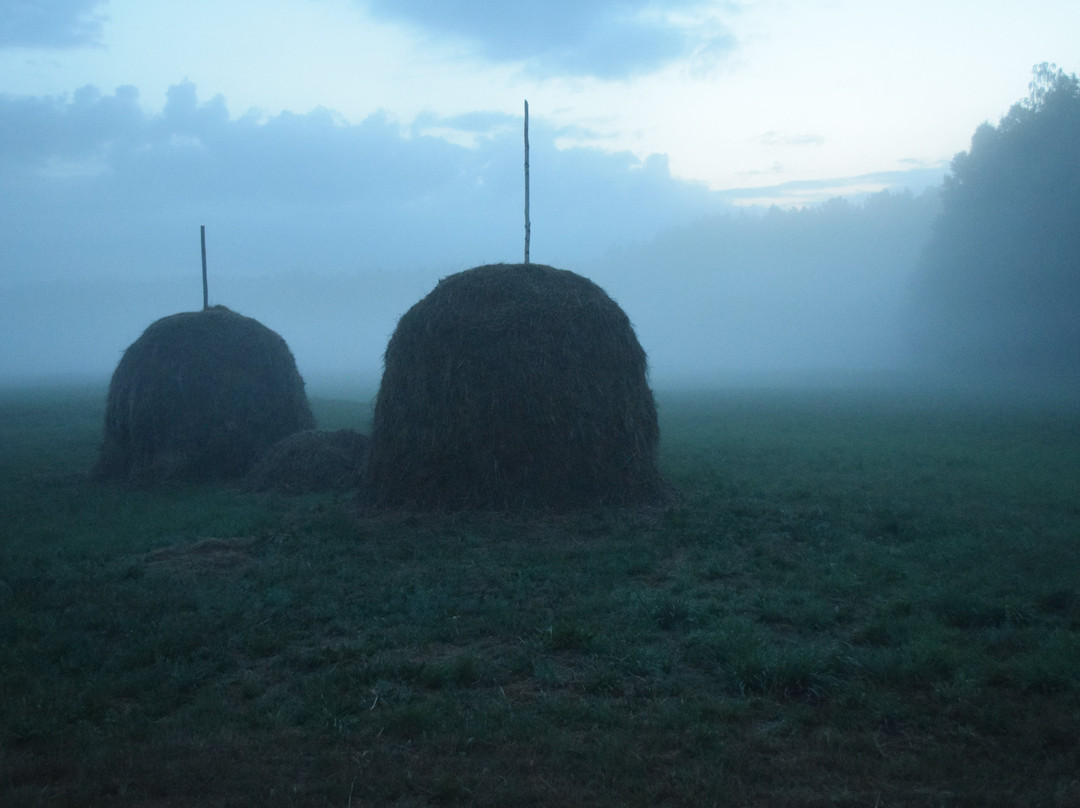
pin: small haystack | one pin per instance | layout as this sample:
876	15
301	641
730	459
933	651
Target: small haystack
513	387
310	461
200	396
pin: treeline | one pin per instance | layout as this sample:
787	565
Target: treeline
998	287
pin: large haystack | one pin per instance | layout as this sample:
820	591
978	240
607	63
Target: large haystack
200	396
513	386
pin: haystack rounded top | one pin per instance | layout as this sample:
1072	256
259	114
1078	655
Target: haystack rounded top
200	395
513	386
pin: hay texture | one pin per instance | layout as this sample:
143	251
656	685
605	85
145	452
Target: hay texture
513	387
310	461
199	396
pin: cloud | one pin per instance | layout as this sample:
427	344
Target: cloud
798	193
39	130
49	23
95	185
608	39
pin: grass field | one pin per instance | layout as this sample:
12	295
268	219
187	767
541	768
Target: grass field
860	599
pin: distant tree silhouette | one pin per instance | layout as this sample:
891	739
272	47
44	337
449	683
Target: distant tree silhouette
998	289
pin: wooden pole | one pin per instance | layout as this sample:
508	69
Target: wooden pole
205	291
528	224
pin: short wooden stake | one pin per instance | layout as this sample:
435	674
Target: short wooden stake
205	290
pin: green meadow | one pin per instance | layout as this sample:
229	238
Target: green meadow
859	598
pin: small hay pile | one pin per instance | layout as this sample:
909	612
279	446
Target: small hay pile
310	461
199	396
513	387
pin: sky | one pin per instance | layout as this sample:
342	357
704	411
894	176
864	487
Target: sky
345	154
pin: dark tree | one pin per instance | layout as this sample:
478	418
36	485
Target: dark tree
998	291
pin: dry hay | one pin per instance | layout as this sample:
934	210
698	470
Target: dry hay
513	387
310	461
199	396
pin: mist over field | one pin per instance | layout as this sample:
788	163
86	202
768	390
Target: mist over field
818	290
737	293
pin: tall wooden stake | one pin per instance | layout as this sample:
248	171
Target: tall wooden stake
205	291
528	224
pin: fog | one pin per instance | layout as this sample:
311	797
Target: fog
328	231
816	291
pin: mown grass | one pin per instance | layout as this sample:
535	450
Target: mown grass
859	599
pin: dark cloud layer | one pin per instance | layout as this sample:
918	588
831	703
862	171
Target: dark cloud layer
296	189
51	24
602	38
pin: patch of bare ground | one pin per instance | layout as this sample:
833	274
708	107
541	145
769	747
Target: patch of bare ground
206	556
